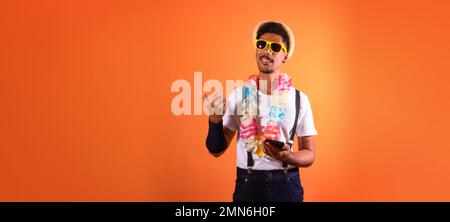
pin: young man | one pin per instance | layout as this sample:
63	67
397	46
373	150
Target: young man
267	107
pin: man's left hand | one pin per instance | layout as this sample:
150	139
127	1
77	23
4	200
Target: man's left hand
284	154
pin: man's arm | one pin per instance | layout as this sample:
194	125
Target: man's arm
219	137
306	155
302	158
229	135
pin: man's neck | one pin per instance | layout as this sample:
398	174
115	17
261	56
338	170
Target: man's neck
269	78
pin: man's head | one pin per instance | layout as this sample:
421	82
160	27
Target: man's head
267	57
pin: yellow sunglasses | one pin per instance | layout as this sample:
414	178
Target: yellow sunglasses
274	46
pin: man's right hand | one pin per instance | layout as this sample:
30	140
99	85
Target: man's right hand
216	105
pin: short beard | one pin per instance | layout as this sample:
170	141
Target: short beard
265	71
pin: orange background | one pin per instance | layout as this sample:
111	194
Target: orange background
85	97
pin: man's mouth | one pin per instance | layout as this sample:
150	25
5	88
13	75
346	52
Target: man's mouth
265	60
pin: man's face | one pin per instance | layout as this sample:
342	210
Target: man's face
268	61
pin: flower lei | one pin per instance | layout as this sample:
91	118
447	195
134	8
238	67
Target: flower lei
271	128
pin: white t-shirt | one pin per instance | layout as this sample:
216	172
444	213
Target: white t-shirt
305	125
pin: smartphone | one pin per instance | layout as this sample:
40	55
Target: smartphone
277	143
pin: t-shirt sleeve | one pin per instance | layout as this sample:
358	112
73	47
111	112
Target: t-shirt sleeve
229	118
305	125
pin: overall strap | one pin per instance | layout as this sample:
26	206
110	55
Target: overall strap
294	127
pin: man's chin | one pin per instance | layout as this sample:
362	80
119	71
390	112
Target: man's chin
263	69
266	71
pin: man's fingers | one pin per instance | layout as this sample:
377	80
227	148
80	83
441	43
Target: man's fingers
210	102
219	102
269	145
286	147
209	98
268	149
216	102
213	98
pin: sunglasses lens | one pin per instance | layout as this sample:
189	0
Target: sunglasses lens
260	44
275	47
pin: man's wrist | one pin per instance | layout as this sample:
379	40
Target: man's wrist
215	120
216	141
290	158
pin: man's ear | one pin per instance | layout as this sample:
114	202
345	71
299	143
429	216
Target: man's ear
285	57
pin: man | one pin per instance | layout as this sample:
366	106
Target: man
266	108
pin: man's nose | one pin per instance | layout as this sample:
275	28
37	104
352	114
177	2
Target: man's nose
268	51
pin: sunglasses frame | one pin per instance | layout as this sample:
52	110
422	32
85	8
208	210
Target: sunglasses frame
269	44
